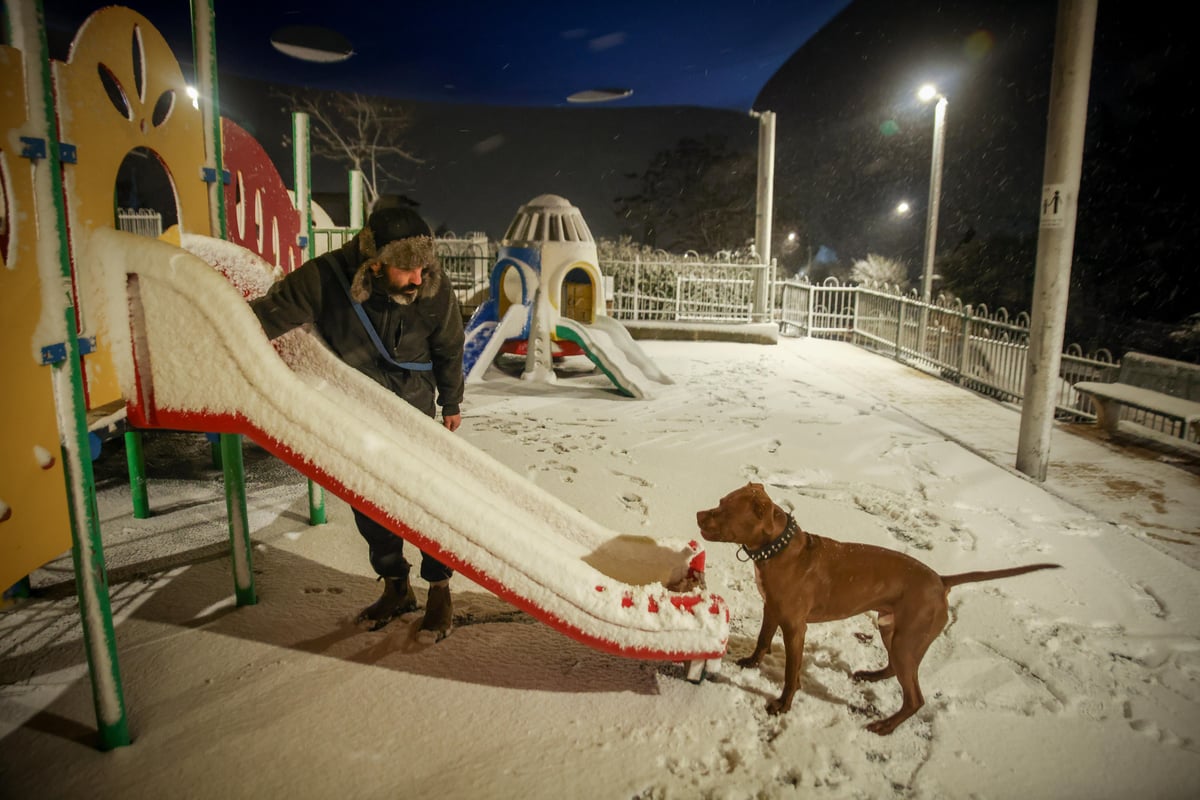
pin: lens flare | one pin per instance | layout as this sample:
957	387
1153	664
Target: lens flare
979	44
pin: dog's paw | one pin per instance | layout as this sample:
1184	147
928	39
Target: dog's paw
749	662
777	706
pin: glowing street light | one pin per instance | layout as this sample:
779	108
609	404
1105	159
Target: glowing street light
926	93
903	208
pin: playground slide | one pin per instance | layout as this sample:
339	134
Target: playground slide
613	350
193	357
485	341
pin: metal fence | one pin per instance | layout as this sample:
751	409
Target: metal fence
466	261
468	264
326	239
982	350
691	290
140	221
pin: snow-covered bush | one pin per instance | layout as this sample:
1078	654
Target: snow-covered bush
879	271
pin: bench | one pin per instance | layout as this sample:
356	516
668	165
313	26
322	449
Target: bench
1160	386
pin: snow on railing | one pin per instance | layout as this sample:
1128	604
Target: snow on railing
690	288
983	350
140	221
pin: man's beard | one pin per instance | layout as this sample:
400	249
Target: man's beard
401	295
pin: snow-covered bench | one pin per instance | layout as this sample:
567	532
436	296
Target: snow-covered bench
1155	385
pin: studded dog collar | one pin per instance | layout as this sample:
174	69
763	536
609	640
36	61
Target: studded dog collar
771	548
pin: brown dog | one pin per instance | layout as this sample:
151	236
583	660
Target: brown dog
808	578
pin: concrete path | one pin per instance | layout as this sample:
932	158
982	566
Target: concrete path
1156	479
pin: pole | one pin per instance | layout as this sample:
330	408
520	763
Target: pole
356	200
135	458
1074	36
26	29
204	45
302	170
765	200
935	197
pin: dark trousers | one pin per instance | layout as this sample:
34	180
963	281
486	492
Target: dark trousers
387	553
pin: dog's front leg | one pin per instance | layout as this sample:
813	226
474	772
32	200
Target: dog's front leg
770	624
793	648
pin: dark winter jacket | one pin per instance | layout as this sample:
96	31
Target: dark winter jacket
429	329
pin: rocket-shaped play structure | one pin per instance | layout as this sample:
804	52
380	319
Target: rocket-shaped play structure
546	301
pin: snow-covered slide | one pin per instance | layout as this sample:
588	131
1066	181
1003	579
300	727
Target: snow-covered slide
487	339
613	350
193	357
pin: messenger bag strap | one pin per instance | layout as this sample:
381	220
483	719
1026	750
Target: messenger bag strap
418	366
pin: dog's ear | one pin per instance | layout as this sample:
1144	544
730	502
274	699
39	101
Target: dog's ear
762	504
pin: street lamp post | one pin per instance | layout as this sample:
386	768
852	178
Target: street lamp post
927	93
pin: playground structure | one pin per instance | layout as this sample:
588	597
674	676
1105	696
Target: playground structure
546	301
84	305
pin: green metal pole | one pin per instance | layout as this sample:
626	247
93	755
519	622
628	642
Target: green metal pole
302	164
87	551
316	504
136	459
204	45
239	534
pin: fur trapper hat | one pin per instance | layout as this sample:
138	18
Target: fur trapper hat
397	237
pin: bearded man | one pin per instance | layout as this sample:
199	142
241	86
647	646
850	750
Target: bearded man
383	305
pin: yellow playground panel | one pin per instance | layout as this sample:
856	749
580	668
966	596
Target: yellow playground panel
34	524
121	89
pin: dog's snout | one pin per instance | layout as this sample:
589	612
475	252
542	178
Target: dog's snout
707	522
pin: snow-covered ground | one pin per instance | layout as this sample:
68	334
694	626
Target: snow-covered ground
1082	682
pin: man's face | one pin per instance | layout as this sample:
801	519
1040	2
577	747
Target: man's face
402	284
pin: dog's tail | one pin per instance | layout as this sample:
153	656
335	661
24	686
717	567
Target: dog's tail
994	574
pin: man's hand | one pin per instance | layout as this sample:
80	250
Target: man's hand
451	421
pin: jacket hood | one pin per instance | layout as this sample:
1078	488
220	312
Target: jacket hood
415	251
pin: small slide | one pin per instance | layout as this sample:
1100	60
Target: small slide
486	338
613	350
193	357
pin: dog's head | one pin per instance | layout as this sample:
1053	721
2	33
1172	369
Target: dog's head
744	516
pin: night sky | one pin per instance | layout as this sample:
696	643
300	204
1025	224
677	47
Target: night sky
852	139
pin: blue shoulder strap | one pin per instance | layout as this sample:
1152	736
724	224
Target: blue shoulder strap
419	366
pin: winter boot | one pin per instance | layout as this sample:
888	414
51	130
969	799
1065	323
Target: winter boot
439	611
397	599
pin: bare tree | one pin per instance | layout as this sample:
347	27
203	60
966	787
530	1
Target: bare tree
361	131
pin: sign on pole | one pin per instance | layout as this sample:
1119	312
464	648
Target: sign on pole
1054	205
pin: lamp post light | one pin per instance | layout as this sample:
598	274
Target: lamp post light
926	93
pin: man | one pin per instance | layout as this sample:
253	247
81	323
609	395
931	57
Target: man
390	272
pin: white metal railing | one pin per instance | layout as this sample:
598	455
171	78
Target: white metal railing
982	350
140	221
326	239
691	290
977	348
